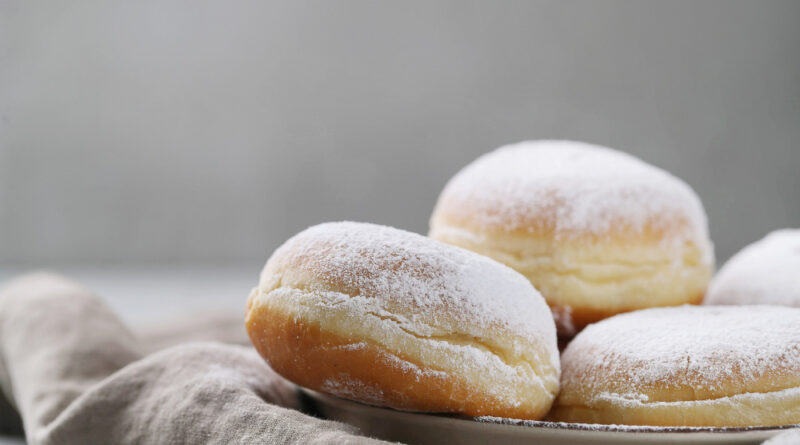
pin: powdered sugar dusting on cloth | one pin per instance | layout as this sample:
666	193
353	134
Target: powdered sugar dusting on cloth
699	347
765	272
429	282
574	188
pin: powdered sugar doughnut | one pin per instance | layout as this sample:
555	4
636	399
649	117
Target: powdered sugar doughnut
391	318
765	272
597	231
685	366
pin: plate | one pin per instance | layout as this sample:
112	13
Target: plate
418	428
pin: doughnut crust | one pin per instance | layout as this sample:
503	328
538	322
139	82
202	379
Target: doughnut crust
685	366
596	231
390	318
765	272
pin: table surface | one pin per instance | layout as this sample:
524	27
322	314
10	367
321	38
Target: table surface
149	295
142	295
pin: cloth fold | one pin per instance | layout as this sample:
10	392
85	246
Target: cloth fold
77	375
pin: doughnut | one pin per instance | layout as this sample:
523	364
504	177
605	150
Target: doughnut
596	231
712	366
390	318
765	272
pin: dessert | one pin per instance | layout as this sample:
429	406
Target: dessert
765	272
597	231
685	366
391	318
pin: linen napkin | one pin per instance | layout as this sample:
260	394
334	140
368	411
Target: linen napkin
78	376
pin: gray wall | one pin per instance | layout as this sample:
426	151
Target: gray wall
210	131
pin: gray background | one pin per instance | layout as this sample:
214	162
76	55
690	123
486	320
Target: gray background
193	131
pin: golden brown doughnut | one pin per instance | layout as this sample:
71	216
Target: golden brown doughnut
598	232
765	272
391	318
685	366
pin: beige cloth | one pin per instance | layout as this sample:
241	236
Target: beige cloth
78	376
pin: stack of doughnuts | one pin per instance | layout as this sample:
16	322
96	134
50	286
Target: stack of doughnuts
531	245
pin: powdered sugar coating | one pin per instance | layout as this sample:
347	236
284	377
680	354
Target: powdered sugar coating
572	188
431	283
765	272
710	351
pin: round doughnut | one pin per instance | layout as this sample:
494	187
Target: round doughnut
765	272
685	366
597	231
391	318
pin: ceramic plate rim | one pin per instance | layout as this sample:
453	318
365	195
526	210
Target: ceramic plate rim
540	424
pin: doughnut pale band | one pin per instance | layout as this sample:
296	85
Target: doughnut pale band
588	279
753	409
322	317
685	366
